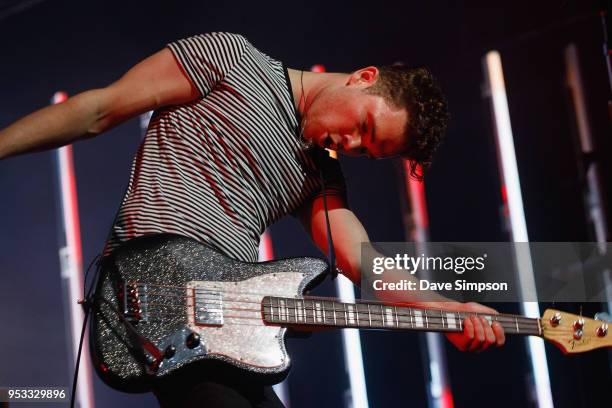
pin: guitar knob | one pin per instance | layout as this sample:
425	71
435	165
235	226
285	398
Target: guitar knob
578	334
602	330
193	340
579	324
555	319
169	352
151	362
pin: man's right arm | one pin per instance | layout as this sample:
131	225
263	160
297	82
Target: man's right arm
155	82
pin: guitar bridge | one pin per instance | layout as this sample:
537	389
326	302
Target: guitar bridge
135	302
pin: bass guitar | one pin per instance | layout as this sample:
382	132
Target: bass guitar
166	303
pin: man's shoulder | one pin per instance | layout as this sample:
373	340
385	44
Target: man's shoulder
226	35
223	36
214	39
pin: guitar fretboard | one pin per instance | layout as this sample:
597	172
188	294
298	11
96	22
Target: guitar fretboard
373	315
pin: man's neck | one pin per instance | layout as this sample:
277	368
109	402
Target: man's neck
312	84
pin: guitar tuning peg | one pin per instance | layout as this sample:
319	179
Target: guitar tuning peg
604	317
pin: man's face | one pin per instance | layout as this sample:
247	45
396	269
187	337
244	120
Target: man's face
353	122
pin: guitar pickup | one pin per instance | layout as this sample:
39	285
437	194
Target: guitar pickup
208	307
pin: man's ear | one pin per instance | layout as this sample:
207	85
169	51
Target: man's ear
365	76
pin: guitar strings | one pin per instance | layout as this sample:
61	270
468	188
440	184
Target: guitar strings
500	317
404	305
497	317
383	322
509	327
292	319
371	313
438	321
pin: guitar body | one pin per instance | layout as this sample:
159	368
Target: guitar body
200	309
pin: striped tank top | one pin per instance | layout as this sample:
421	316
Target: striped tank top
224	167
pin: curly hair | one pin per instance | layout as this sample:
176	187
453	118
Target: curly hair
415	89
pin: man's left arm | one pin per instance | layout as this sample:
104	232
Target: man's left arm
348	234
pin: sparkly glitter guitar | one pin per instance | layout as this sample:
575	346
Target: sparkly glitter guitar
167	304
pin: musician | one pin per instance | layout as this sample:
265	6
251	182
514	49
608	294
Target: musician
236	142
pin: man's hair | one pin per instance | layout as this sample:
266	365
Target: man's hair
415	89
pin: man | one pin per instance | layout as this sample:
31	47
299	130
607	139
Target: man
235	143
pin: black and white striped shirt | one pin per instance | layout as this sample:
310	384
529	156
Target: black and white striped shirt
224	167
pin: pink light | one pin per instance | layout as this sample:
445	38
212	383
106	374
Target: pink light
318	68
447	398
59	97
266	253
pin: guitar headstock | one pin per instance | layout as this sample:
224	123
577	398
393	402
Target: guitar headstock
573	333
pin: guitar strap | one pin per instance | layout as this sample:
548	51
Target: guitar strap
331	253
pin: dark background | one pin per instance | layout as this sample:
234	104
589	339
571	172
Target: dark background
73	46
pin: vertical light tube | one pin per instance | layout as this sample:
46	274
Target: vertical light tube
593	198
439	393
266	253
353	356
516	217
71	265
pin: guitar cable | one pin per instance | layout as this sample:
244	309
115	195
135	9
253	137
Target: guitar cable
86	303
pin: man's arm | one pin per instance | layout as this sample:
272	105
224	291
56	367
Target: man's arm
155	82
348	234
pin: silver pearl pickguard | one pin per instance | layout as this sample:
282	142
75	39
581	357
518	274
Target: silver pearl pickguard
243	336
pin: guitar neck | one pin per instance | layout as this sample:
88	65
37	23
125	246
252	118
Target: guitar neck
323	312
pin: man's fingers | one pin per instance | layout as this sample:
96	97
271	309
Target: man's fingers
490	336
468	334
500	336
488	333
468	328
479	335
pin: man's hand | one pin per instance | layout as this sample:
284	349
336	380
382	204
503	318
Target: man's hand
477	334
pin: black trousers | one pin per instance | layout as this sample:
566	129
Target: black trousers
218	393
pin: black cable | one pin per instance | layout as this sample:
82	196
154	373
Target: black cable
333	270
95	260
87	304
78	359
